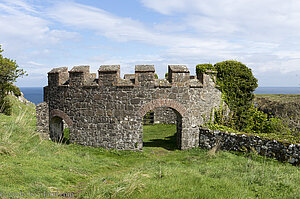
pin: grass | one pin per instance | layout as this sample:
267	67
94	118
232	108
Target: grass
160	171
162	135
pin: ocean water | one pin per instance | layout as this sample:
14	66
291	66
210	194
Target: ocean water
35	94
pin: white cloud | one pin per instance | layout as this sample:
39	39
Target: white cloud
167	7
262	34
104	23
223	30
179	47
34	63
26	36
23	27
123	29
268	20
16	5
31	30
265	34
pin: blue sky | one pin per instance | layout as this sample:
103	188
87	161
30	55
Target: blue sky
264	35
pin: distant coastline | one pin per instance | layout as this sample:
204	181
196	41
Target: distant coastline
277	90
35	94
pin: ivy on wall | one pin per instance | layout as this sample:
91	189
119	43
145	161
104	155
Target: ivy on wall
237	83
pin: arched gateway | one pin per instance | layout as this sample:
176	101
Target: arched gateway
56	124
108	111
178	109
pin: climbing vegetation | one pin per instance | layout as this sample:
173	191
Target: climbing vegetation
237	83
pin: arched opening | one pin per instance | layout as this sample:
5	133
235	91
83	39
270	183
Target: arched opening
165	131
59	126
178	109
59	130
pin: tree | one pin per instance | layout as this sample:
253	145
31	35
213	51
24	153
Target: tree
9	72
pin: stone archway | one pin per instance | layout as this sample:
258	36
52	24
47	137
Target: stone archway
162	103
178	108
56	124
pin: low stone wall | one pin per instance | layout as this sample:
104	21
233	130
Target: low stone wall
246	143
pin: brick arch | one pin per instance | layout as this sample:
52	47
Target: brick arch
62	115
162	103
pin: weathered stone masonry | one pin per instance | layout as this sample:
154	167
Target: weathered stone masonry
107	111
250	143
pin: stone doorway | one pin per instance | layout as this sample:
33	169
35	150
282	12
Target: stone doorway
166	135
178	109
59	130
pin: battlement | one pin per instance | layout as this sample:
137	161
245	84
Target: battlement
107	111
109	75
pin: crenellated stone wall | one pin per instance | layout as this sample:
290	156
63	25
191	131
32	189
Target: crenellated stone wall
249	143
107	111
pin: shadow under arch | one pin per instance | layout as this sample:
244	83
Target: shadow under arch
178	109
59	120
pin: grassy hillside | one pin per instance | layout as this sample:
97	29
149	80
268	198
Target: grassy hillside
28	164
280	97
286	107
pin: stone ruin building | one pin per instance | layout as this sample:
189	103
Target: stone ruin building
108	111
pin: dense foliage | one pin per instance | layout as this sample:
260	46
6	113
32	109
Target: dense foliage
235	80
202	68
9	72
237	83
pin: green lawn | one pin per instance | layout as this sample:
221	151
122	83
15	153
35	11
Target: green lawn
160	136
28	164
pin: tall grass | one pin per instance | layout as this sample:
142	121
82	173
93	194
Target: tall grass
18	131
32	165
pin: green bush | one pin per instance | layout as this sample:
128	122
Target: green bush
202	68
235	80
5	105
237	83
14	89
259	122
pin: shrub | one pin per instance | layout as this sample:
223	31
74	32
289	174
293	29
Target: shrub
14	89
202	68
9	72
237	83
5	105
